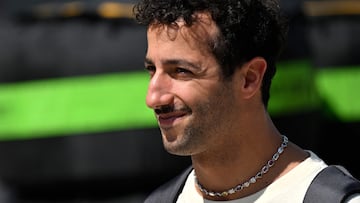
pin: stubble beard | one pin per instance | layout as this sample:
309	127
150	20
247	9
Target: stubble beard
187	142
202	129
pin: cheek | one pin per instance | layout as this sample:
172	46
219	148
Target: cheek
222	99
199	92
191	94
186	97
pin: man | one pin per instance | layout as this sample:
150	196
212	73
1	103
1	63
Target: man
211	65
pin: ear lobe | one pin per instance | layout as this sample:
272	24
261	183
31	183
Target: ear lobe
254	71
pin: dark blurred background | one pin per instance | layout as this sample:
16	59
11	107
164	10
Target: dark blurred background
73	122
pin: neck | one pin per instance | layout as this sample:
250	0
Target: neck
241	159
262	171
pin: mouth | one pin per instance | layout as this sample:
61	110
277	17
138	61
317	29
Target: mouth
168	120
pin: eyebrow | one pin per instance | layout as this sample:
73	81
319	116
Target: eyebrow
175	62
148	61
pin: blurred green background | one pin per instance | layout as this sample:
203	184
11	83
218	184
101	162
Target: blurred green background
73	122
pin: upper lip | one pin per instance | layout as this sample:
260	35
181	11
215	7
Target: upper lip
173	114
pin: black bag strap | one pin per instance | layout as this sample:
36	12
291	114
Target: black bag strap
170	191
331	185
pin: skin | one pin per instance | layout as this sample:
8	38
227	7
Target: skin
221	123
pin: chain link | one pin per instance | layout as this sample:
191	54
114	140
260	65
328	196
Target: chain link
252	180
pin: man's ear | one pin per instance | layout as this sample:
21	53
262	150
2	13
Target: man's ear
252	75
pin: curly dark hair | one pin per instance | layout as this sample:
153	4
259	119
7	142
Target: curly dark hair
248	28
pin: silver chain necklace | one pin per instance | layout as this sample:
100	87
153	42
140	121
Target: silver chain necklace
252	180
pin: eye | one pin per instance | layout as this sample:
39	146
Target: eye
151	69
182	71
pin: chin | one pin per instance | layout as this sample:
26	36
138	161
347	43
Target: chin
175	142
176	149
178	153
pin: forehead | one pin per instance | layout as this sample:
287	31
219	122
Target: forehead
200	34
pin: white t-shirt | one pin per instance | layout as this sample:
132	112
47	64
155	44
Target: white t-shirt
290	188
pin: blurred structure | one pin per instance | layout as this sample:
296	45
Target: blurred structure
316	101
73	122
332	31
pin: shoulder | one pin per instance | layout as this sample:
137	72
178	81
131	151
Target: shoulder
332	184
169	191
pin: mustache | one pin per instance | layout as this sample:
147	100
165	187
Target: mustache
169	109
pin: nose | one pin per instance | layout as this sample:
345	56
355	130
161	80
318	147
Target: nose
158	93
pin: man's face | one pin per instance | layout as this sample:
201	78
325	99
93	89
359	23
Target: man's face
194	106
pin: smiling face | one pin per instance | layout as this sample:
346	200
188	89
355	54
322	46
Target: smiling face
193	104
